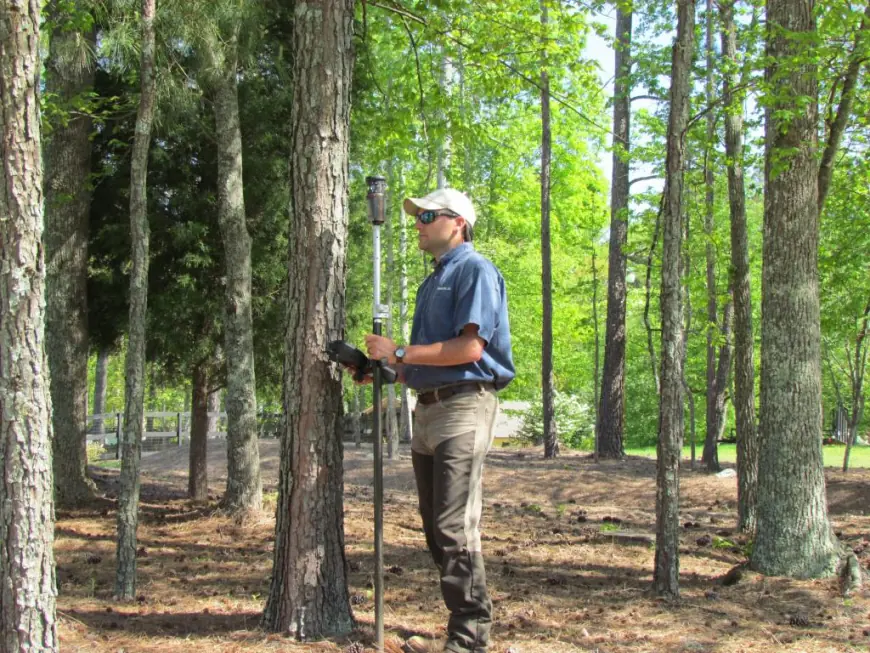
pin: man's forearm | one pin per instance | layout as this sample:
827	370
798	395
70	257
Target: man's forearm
456	351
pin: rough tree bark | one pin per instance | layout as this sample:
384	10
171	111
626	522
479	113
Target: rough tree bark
244	491
27	581
551	441
197	482
794	536
134	397
308	597
611	413
596	353
666	577
710	457
69	75
744	366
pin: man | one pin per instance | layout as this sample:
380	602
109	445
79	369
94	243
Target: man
458	358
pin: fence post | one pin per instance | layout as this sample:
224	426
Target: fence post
117	436
178	427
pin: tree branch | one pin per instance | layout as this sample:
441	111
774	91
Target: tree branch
844	110
446	33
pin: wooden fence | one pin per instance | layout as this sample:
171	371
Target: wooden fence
166	429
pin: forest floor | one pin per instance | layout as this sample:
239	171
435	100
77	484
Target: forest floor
568	552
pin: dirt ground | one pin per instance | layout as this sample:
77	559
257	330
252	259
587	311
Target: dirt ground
568	556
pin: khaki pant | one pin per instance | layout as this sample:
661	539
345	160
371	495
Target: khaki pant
451	440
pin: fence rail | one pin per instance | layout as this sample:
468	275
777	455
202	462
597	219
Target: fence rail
165	429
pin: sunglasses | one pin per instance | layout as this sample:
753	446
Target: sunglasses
428	217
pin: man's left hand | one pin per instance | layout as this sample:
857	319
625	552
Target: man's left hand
380	347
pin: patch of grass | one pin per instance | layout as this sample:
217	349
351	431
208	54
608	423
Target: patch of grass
833	453
107	464
609	527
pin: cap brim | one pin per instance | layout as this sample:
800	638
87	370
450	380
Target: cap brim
414	204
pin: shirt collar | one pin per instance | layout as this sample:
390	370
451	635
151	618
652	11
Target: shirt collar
457	252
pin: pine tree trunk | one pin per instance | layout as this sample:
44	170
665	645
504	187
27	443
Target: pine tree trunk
101	378
611	414
197	482
710	457
244	491
744	367
597	354
723	371
551	441
308	597
27	576
134	396
151	404
666	577
858	369
794	536
69	75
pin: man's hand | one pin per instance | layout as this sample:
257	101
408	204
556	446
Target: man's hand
380	347
366	380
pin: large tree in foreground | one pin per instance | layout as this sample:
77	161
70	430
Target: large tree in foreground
666	577
794	536
27	583
308	597
68	81
134	391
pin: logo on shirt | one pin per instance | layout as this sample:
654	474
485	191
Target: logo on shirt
443	288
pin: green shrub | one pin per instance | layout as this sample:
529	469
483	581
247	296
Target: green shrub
95	451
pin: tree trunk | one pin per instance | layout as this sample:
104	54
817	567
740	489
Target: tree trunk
710	457
134	396
101	378
551	440
744	367
151	404
611	414
857	370
723	371
794	536
666	577
597	354
197	482
837	127
244	492
27	580
69	76
308	597
687	329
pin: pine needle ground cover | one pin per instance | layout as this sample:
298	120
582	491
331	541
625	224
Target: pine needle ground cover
569	557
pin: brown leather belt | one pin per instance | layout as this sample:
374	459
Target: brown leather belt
444	393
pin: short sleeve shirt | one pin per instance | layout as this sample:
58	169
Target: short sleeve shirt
465	288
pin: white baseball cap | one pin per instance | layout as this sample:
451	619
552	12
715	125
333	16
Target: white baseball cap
443	198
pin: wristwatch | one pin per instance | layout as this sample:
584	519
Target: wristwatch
399	354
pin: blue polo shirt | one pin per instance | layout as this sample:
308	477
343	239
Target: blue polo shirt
465	288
